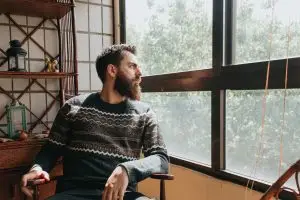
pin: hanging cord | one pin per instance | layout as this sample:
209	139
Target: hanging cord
259	151
284	98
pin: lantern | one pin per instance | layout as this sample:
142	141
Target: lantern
16	119
16	56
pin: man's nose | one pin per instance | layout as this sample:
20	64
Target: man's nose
138	71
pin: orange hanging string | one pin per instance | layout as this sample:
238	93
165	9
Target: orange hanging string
259	151
284	99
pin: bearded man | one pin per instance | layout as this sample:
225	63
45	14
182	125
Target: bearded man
101	135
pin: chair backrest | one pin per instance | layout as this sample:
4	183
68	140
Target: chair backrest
277	187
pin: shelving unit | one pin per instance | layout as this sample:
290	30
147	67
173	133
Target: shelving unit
61	11
61	14
38	8
15	157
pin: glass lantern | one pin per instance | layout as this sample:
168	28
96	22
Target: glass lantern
16	57
16	119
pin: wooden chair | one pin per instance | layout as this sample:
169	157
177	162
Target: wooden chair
162	177
276	188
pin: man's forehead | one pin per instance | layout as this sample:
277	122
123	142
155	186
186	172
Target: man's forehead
130	57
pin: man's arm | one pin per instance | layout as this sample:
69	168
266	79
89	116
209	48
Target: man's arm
156	158
52	150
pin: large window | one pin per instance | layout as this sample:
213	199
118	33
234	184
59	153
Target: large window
263	30
253	151
255	28
175	36
171	36
185	121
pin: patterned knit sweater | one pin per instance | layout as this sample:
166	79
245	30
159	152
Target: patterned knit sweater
94	137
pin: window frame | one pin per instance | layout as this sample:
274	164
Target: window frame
222	76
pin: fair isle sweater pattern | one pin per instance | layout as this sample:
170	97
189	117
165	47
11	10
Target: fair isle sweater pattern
95	137
108	134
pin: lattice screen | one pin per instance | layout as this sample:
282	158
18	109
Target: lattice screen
94	23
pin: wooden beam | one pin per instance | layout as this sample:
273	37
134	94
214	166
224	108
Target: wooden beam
247	76
253	75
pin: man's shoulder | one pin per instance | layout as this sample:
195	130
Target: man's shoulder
79	99
139	107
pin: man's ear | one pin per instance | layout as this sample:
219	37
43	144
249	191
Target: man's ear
112	71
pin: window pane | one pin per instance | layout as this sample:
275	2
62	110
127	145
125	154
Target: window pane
171	36
253	28
243	126
185	121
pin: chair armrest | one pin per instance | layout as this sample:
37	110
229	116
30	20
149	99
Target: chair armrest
162	176
36	182
41	181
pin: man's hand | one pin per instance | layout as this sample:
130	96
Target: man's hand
35	174
116	185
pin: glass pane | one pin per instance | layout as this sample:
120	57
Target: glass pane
185	121
12	62
171	36
246	144
21	61
253	30
16	117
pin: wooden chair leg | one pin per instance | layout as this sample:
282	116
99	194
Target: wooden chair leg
35	195
162	190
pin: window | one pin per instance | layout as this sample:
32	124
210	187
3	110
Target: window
253	28
244	134
171	36
185	122
176	36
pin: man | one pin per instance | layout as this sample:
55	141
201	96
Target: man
101	135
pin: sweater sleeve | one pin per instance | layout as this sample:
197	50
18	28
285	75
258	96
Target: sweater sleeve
57	140
156	159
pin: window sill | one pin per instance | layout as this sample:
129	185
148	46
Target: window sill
227	176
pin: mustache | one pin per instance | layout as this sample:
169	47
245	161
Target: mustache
138	79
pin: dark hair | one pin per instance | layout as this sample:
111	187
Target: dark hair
112	55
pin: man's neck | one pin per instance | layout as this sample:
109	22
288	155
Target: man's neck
111	96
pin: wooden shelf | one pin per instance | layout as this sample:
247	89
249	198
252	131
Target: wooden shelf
35	8
20	144
19	153
35	75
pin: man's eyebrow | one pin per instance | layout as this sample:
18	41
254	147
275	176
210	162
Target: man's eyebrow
133	63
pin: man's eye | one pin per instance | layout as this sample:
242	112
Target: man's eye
133	66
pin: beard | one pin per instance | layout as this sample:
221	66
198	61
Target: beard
128	87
